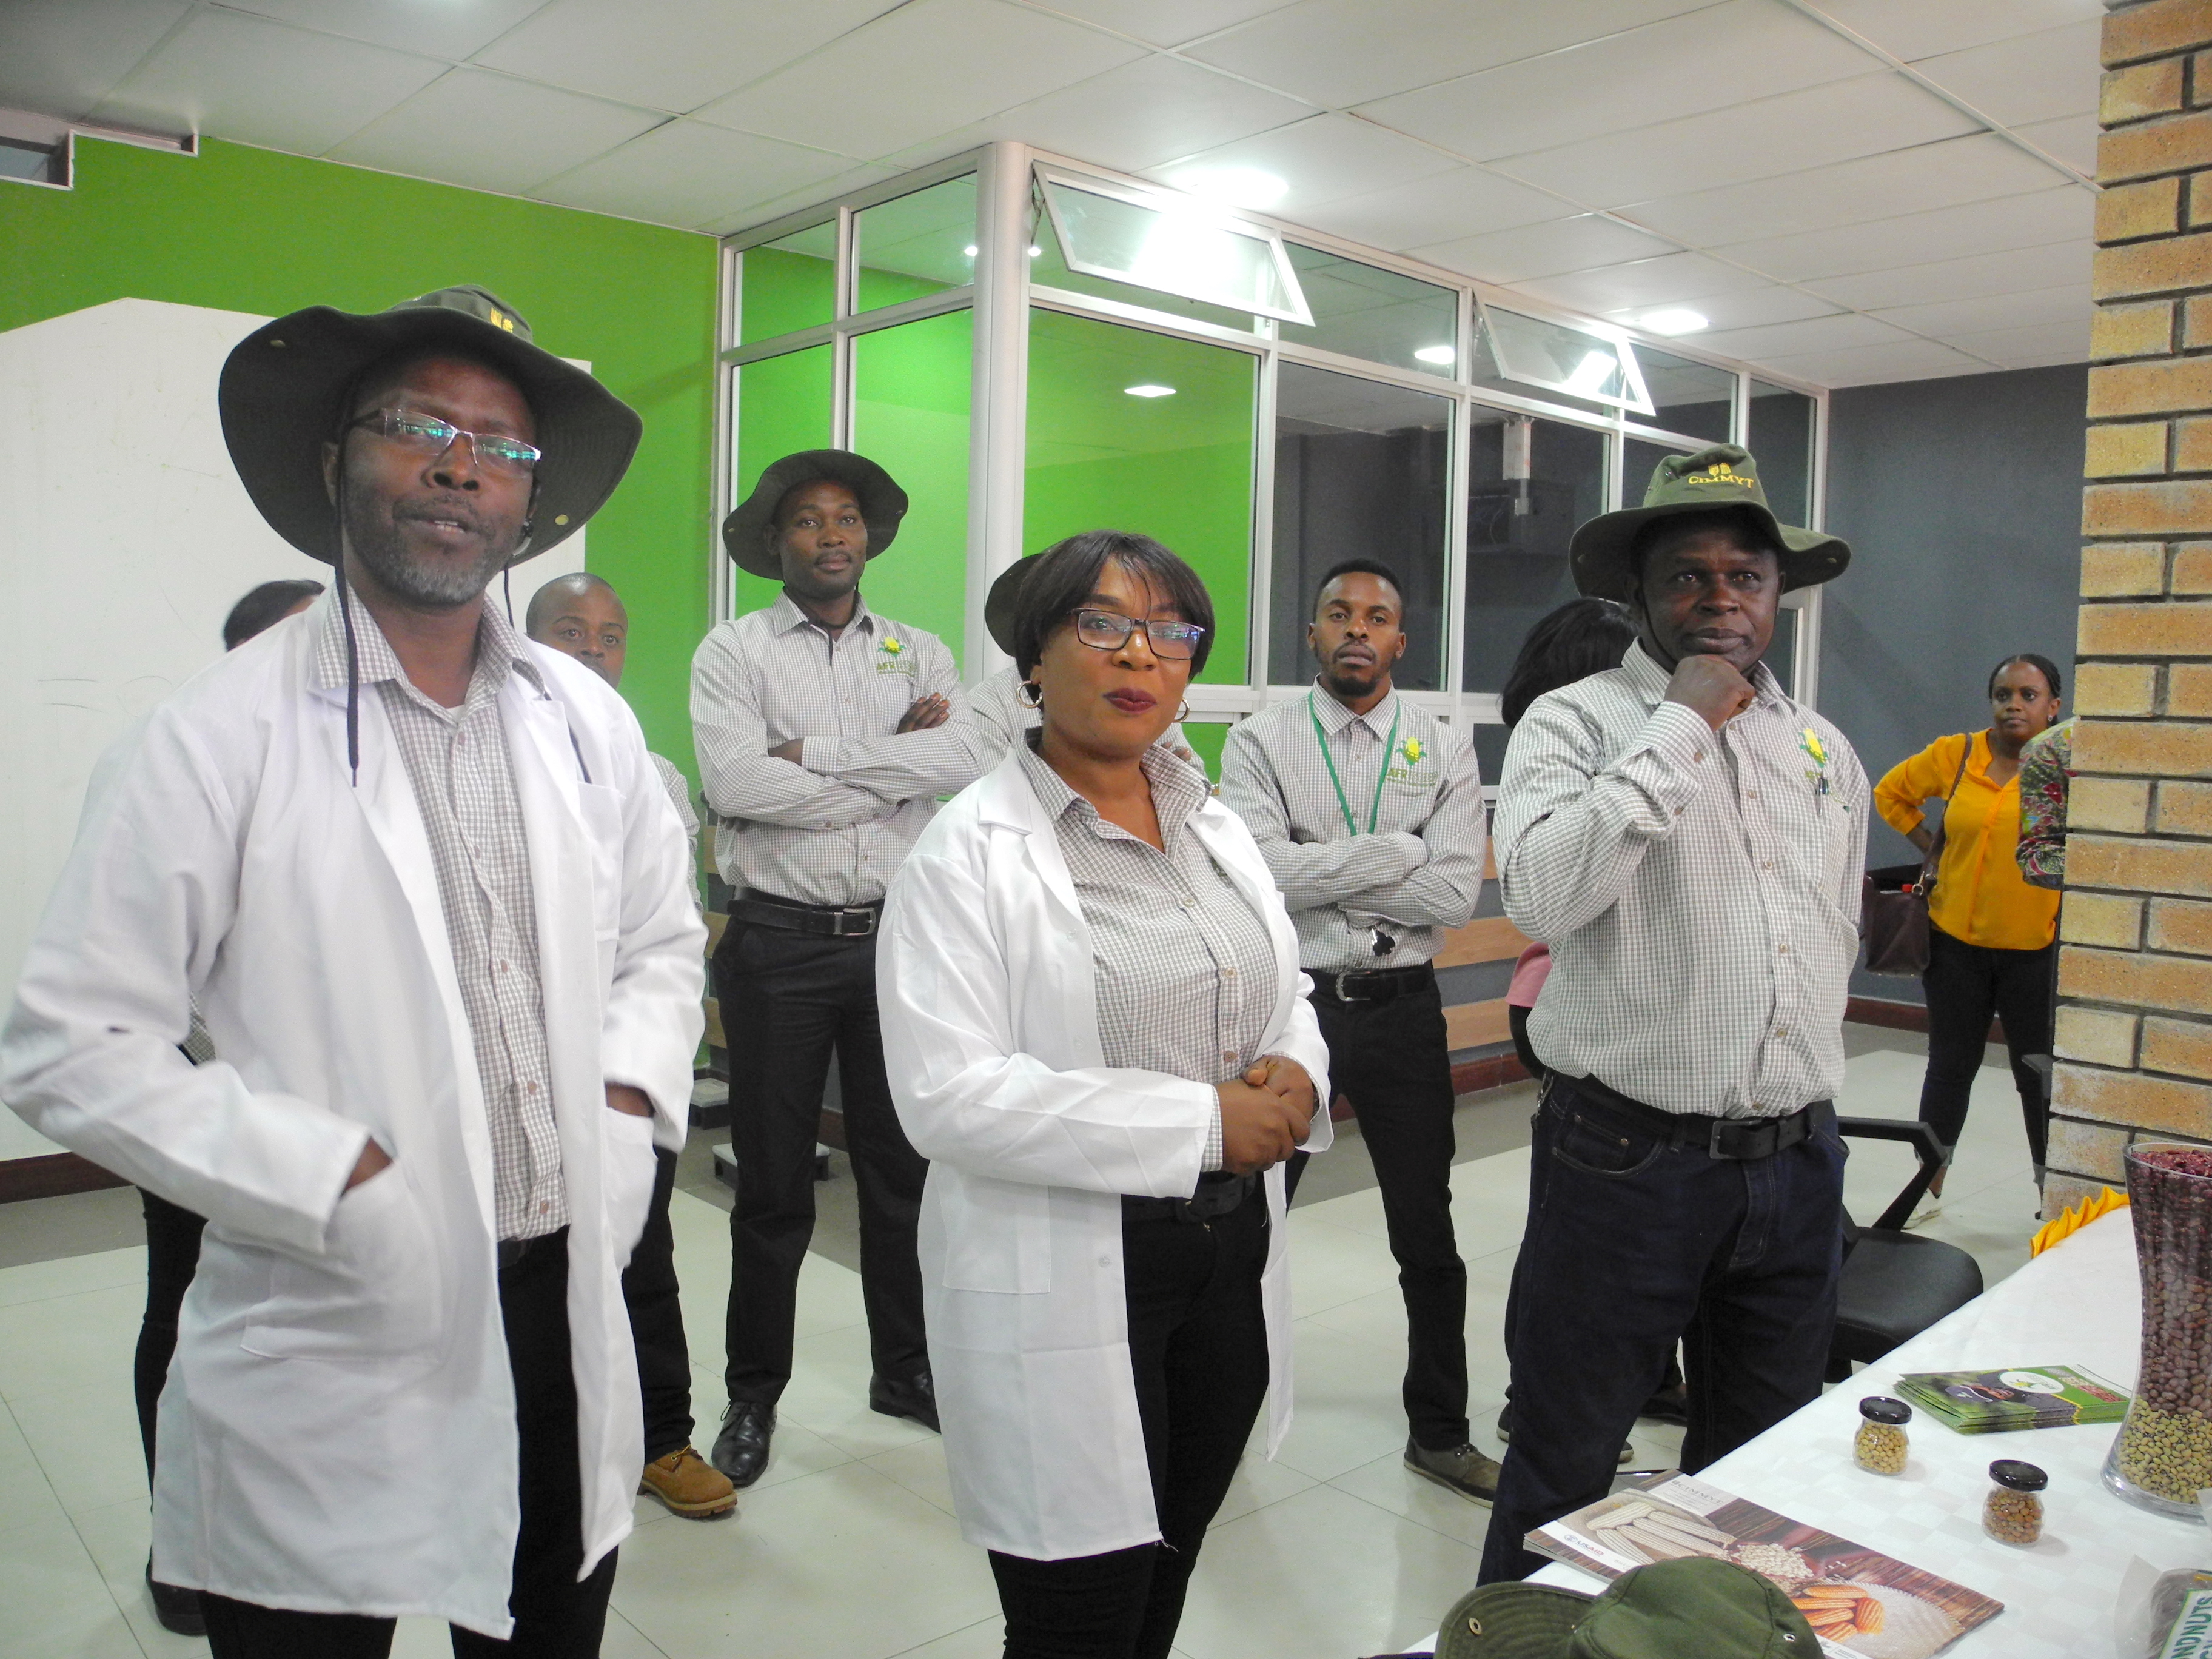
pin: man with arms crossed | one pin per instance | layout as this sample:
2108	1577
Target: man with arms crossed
1689	841
1369	812
795	972
418	877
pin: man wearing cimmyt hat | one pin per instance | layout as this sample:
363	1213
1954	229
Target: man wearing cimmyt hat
421	880
775	694
1688	839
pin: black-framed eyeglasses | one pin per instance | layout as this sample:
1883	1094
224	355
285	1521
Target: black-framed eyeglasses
1109	630
429	435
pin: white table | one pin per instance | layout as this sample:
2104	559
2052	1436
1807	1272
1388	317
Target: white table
2077	1304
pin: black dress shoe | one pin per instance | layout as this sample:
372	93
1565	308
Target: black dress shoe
177	1607
741	1449
915	1397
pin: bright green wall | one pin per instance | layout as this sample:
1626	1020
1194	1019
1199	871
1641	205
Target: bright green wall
910	408
241	230
781	292
1178	469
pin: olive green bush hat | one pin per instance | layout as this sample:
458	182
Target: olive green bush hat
1699	1607
883	504
1719	475
282	386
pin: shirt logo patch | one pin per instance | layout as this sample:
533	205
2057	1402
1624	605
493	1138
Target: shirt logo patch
1405	767
1809	741
890	647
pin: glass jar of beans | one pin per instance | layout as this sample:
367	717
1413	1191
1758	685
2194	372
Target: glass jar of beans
2012	1512
1880	1445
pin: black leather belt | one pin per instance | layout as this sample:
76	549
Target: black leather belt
513	1252
1742	1139
1217	1195
824	920
1372	984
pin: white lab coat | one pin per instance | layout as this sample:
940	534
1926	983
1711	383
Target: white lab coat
337	1430
989	1007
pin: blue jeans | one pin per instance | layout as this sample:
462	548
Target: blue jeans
1635	1241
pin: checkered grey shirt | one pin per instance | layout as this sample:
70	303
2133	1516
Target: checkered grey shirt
679	792
1699	890
1186	971
457	759
1419	873
775	674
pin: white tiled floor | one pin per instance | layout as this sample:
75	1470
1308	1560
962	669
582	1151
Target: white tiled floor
847	1549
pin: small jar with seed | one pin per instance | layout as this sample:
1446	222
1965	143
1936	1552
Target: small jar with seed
2014	1511
1880	1446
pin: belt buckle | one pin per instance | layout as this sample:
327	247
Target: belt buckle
1342	994
865	918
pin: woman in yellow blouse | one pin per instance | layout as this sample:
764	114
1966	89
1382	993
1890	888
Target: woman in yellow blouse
1990	943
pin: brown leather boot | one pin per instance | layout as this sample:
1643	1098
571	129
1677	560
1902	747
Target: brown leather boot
690	1486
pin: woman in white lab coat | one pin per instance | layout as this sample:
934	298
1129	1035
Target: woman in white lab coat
1097	1031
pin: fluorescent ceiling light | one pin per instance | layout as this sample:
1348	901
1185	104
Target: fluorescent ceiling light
1148	390
1244	187
1593	374
1675	321
968	253
1443	354
1035	253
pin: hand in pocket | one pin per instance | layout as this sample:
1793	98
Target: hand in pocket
628	1169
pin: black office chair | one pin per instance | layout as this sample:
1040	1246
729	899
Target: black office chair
1895	1284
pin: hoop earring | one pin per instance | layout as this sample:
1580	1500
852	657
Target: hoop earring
1029	694
1183	712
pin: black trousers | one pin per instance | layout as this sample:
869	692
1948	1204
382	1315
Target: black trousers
788	1001
172	1256
1634	1242
656	1323
1198	1343
1392	1060
1966	985
556	1617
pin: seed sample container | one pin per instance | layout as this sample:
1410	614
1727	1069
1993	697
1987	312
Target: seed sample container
2012	1512
1880	1445
2162	1457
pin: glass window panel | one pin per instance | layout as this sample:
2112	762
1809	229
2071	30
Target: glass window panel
1553	357
1181	246
910	398
1530	482
1695	398
915	246
1781	439
1641	460
1177	467
1781	657
1360	471
1489	745
1363	312
788	285
783	406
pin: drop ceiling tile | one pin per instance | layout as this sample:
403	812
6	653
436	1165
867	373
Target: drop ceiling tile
492	132
450	31
2033	345
672	54
62	55
1683	65
2071	138
1146	113
2030	77
690	173
1987	312
1956	170
1465	202
1879	365
2058	214
1167	23
1342	53
1642	283
2009	272
1324	158
1750	308
1914	29
807	196
240	77
1544	250
1835	333
952	62
1837	122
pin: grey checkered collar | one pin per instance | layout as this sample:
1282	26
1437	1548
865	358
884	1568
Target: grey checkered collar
1334	716
500	649
785	615
1178	793
1650	680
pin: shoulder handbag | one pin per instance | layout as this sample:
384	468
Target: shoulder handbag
1894	902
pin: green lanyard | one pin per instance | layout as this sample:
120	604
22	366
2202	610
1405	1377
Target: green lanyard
1381	774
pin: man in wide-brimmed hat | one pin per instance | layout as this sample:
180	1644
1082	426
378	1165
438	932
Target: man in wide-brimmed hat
421	880
1688	839
776	695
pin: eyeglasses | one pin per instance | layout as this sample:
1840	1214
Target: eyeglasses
428	435
1109	630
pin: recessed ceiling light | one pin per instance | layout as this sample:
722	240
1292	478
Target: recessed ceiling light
1244	187
1148	390
1035	253
1675	321
1443	354
968	253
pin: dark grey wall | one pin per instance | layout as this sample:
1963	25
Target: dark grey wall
1962	501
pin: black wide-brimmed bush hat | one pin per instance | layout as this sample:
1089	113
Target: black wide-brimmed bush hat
1004	599
285	387
1718	476
883	504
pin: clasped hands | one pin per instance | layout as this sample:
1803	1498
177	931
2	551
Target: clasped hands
1265	1114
